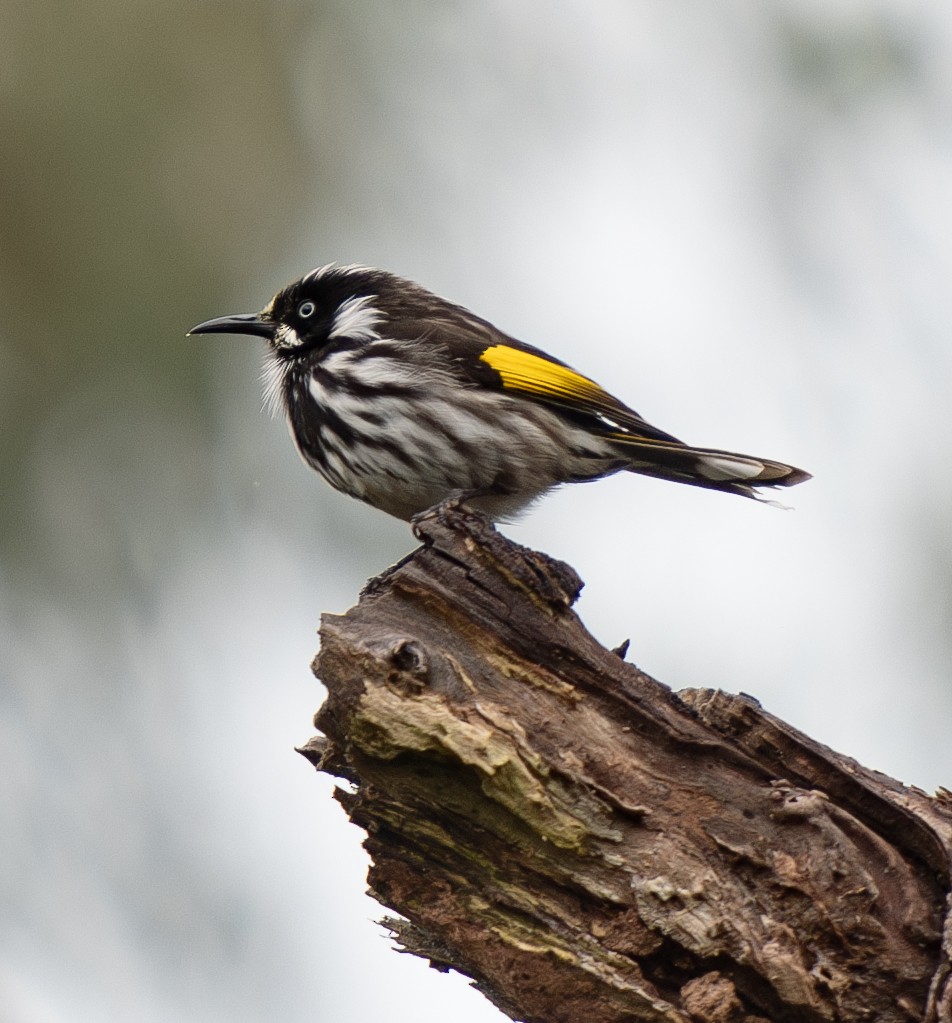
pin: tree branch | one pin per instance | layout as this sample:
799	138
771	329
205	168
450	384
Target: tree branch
586	844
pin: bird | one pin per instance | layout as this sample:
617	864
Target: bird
407	401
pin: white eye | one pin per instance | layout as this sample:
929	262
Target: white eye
306	309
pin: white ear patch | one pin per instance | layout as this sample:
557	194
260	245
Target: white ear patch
357	318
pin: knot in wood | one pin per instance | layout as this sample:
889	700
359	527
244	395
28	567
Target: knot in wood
409	658
799	804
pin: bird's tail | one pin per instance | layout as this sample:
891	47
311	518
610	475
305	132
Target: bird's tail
708	467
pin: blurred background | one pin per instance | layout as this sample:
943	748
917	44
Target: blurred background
736	215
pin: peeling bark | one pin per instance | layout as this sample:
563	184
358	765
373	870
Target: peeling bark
588	845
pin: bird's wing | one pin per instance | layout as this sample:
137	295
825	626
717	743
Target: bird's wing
533	374
484	355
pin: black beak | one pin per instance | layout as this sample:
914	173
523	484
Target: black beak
247	323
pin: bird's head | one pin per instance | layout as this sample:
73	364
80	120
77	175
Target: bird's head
329	303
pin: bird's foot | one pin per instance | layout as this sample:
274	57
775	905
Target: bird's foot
444	511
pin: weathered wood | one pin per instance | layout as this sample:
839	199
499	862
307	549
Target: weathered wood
589	846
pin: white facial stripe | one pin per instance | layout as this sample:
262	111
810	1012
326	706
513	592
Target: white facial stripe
357	318
319	271
322	271
286	337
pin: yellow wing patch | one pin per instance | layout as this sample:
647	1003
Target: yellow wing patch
523	371
534	374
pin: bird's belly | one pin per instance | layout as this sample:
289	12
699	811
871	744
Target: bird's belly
503	451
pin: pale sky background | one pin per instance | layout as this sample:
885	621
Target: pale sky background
735	215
